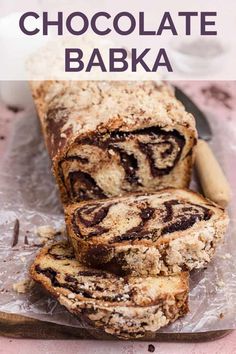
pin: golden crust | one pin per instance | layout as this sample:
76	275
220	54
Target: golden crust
109	105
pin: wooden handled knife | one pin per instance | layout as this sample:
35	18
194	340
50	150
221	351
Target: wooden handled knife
212	178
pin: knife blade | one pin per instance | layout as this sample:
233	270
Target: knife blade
203	127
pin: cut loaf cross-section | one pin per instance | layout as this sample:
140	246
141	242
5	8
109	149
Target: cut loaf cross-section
168	231
127	307
110	138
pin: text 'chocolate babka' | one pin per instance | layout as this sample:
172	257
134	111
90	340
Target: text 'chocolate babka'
167	232
129	307
110	138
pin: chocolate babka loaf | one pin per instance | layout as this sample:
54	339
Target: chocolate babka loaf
162	233
127	307
110	138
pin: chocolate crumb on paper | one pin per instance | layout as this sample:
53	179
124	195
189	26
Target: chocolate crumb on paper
14	109
15	236
151	348
26	242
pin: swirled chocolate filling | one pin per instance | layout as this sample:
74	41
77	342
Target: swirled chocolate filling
155	148
83	186
86	282
150	222
90	216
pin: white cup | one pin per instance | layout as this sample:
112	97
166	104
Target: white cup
15	50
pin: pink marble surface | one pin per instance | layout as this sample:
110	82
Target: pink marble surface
227	106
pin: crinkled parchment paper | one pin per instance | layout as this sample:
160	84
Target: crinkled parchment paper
28	193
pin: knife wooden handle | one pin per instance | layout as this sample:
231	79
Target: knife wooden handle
213	181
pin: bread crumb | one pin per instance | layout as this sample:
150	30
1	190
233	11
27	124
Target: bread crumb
22	259
71	296
226	256
220	283
46	232
23	286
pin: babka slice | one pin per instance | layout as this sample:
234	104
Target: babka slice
127	307
110	138
169	231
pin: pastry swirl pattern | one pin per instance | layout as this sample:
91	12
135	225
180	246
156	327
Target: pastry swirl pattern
171	216
137	156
